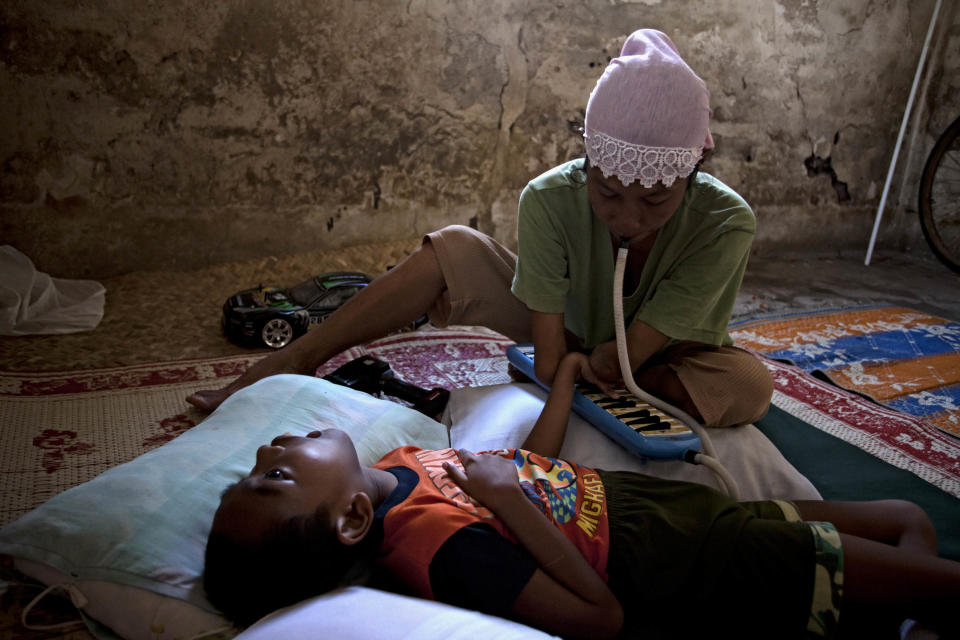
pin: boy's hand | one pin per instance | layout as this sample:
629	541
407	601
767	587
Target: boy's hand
487	477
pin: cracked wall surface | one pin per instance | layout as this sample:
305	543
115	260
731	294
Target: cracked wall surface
177	135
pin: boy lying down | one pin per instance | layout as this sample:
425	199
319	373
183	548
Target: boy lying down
574	551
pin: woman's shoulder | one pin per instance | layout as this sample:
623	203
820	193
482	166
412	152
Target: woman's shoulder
709	189
569	175
716	204
558	194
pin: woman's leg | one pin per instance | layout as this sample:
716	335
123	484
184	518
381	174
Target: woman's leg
391	301
718	386
458	276
663	382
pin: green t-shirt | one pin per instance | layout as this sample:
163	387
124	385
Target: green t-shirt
688	284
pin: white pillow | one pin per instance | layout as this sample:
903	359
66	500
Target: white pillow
129	544
484	418
360	613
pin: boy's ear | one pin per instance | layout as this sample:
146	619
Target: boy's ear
355	521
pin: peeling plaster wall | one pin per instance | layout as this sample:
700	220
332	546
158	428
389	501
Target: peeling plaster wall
175	134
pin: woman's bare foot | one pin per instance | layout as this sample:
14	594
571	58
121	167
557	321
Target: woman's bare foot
284	361
210	399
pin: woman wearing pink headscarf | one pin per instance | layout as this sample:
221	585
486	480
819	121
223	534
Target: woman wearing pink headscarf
688	234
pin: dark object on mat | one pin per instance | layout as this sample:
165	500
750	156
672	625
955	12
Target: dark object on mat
373	376
275	316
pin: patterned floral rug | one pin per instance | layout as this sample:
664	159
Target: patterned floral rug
429	357
899	439
901	358
62	429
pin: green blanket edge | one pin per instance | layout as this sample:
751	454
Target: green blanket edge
841	471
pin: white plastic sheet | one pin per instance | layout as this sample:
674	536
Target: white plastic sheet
32	302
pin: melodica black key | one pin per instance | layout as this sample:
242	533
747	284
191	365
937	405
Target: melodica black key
642	429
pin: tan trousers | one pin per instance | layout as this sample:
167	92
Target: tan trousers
728	385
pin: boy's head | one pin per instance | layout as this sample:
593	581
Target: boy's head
290	529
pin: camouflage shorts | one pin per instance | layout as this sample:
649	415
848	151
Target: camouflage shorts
827	577
827	581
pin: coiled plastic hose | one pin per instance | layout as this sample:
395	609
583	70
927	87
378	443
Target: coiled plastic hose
708	457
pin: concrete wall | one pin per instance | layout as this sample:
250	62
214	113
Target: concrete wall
183	133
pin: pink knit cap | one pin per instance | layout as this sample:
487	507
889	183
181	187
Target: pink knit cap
648	117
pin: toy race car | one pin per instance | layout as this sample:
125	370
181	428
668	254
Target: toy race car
275	316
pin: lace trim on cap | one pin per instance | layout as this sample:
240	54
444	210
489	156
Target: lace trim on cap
649	165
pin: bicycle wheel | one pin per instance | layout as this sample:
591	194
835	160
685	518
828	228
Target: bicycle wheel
940	197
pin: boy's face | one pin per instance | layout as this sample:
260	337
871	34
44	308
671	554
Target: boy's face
635	211
293	475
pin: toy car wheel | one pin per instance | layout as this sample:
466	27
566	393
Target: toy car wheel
276	333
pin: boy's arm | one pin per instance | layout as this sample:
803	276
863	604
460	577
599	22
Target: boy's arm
547	434
565	595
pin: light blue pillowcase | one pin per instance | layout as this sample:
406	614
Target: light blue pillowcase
145	523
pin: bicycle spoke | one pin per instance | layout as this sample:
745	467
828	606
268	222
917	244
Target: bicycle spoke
951	161
939	198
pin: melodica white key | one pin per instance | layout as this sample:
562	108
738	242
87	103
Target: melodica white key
642	429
